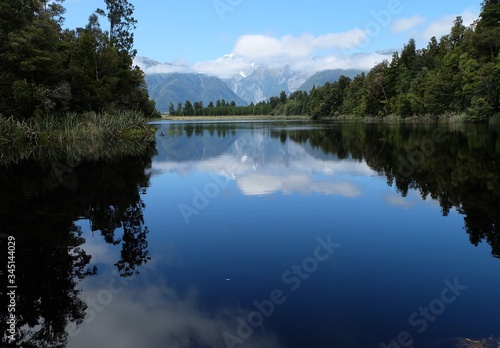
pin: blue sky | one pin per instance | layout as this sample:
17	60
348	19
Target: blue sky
306	34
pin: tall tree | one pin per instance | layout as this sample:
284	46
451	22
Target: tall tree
171	108
31	61
188	109
121	24
488	30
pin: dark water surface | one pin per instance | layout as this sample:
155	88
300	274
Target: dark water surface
260	234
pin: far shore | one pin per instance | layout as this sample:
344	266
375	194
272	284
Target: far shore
229	118
425	119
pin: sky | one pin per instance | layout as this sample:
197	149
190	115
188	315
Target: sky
223	37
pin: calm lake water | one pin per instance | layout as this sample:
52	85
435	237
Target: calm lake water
260	234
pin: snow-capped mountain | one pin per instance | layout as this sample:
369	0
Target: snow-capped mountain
245	82
255	83
264	82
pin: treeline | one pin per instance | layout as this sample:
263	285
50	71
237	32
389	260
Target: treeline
223	108
45	69
459	74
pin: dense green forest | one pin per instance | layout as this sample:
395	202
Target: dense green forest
457	75
46	69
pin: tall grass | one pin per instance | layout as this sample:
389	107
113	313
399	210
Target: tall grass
88	135
73	127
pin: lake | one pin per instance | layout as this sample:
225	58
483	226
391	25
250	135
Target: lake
258	234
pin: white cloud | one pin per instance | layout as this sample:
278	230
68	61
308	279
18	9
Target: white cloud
263	47
101	252
156	316
151	67
360	61
226	66
405	24
257	184
398	201
442	26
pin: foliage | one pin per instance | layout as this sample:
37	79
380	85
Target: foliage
45	69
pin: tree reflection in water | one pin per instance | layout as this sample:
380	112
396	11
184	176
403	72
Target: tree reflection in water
40	210
459	171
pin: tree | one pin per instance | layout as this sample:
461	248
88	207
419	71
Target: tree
353	95
198	107
102	77
376	97
488	30
31	59
457	33
408	55
283	97
171	108
188	109
487	97
121	24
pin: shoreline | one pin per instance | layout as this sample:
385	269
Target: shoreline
229	118
389	119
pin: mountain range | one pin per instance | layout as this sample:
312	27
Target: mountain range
176	83
179	87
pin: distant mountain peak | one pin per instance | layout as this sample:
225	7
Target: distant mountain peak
265	82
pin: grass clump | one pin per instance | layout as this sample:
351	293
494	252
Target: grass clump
89	135
52	129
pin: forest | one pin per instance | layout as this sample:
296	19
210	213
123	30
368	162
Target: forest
46	69
455	78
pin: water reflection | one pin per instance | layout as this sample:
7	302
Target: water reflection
40	210
457	166
84	237
258	163
150	314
